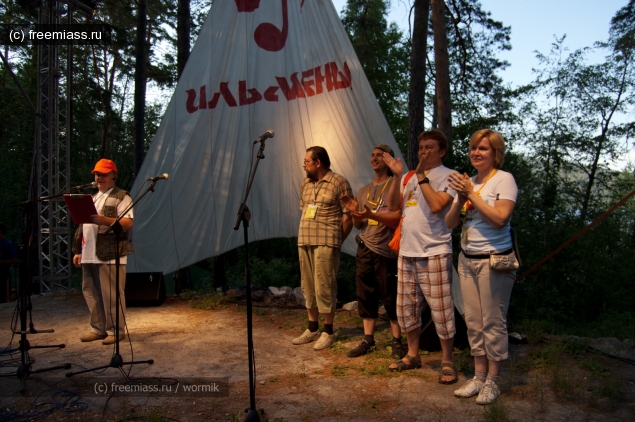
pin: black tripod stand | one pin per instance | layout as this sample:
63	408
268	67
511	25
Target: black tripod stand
24	309
244	215
117	361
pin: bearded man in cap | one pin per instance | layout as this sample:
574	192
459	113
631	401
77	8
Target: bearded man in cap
95	254
376	264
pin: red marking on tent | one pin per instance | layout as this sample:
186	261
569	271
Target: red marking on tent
269	37
310	83
242	94
247	5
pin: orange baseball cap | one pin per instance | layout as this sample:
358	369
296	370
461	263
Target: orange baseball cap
105	166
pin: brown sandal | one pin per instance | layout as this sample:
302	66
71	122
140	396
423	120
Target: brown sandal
415	362
447	369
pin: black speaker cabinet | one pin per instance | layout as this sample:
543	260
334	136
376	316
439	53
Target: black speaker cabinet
145	289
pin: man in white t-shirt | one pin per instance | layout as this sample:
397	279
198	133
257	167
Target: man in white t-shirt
95	251
425	250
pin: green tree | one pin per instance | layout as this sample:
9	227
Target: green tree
385	59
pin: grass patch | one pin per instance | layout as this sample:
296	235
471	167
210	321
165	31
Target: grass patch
608	395
496	412
340	370
209	301
534	331
187	294
260	311
377	365
564	382
462	360
548	355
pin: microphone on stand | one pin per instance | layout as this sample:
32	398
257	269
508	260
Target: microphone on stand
164	176
268	134
86	186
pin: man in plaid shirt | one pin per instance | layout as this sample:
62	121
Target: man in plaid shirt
324	225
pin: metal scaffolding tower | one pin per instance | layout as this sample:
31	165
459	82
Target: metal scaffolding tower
51	175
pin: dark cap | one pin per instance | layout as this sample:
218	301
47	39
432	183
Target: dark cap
385	148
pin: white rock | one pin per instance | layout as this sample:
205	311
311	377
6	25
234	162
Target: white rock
280	291
297	292
350	306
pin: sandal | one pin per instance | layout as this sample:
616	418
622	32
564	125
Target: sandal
447	370
415	362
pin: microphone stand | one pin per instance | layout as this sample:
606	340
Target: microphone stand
25	307
117	361
244	215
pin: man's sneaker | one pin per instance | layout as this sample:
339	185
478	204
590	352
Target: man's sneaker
363	348
398	351
112	340
324	342
92	337
306	337
489	393
470	388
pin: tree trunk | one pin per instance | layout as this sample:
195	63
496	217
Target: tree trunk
442	65
140	85
182	35
416	99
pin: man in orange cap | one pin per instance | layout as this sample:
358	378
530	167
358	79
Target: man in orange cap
95	253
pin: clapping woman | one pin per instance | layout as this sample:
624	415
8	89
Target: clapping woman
484	205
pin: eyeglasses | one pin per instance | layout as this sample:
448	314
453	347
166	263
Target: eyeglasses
308	161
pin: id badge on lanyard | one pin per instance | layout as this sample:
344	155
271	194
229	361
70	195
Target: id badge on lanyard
412	199
311	211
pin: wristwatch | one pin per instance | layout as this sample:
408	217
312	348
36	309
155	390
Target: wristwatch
425	180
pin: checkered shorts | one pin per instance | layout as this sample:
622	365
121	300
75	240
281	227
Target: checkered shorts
429	278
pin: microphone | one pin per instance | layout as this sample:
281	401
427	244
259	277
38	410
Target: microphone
86	186
268	134
164	176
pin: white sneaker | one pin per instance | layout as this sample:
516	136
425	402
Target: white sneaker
489	393
325	341
306	337
470	388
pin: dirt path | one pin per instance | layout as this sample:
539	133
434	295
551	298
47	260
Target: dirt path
294	383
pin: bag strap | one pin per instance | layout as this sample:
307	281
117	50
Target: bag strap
407	178
512	232
405	182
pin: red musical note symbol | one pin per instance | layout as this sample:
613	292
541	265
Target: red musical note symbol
268	36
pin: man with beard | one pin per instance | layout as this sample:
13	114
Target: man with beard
324	225
376	264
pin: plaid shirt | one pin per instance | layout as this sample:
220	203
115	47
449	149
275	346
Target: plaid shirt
325	228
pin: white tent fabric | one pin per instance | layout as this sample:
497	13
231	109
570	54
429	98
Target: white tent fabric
282	65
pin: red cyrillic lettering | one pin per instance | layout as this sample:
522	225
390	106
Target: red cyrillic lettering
202	100
318	80
328	77
214	101
293	92
306	83
189	104
227	95
334	74
270	93
242	94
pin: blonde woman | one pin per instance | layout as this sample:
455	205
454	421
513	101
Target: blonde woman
484	204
